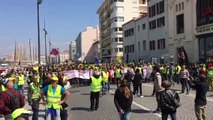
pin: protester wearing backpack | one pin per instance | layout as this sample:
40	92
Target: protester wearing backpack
10	100
169	101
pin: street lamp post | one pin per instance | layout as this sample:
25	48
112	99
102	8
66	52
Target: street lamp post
38	27
45	39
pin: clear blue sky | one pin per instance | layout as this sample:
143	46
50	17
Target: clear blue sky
64	20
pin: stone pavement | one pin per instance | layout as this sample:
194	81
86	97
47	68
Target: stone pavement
141	109
79	103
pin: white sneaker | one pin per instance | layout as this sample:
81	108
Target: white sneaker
141	96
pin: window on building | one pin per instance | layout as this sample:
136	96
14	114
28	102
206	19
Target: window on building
182	5
117	19
121	19
139	46
161	6
176	8
153	10
144	26
116	40
150	11
138	28
152	45
161	44
157	8
152	24
160	22
180	24
179	7
144	45
142	1
120	39
129	32
120	49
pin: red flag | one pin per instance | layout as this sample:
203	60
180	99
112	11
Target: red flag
54	52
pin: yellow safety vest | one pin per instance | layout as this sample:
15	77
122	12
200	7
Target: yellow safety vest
21	80
36	68
36	91
2	88
96	84
105	76
118	73
53	99
140	70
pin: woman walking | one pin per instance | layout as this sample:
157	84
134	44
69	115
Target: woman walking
123	100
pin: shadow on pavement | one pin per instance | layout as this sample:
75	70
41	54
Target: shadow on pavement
140	111
80	109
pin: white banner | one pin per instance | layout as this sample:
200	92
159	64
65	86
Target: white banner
76	74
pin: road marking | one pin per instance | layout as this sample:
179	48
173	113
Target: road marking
142	107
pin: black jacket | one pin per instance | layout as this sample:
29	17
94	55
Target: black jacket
121	102
201	91
169	101
137	78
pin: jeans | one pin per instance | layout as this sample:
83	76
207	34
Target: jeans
35	109
49	116
165	116
124	116
104	87
185	85
21	88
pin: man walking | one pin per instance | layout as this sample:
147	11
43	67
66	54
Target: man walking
95	86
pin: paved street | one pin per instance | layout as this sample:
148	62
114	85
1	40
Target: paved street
142	108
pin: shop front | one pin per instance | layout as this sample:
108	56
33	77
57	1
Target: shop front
205	29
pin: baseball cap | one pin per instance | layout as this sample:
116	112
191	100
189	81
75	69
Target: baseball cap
21	112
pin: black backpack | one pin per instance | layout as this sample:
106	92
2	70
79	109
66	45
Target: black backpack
15	103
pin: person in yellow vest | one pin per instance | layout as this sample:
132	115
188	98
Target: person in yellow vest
21	80
35	98
177	74
118	75
105	77
53	100
210	77
95	88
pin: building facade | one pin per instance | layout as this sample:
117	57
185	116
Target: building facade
170	33
204	30
182	19
112	15
72	50
136	39
64	56
84	42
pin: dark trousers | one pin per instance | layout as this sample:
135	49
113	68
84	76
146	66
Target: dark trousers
138	87
35	109
94	100
185	85
118	81
165	116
